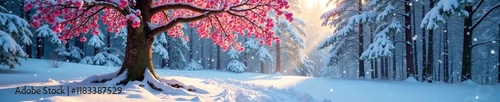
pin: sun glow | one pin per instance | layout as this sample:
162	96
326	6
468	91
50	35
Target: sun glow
323	3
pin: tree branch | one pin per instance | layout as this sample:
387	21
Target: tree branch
477	7
175	21
484	42
170	6
484	16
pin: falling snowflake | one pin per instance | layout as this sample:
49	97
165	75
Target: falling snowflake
492	52
34	75
414	38
477	97
475	39
331	90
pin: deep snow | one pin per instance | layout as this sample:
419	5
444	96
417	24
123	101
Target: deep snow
236	87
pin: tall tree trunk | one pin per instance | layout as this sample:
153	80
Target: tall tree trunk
446	59
414	48
191	35
202	52
39	47
218	58
211	58
262	69
388	70
371	61
361	64
139	48
409	53
384	68
430	60
164	62
424	50
278	57
394	57
96	50
108	42
467	51
245	55
372	71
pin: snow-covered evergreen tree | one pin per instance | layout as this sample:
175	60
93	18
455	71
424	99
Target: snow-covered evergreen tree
12	27
176	59
10	51
45	31
234	65
72	53
104	58
158	47
291	45
193	65
262	52
347	19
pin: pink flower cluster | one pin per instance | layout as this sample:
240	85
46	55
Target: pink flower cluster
234	17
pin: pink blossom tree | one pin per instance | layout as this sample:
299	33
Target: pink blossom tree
220	20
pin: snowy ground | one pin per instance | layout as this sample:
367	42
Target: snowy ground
234	87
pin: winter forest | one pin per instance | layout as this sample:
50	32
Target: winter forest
147	42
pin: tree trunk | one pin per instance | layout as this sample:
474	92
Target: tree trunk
394	57
424	49
245	56
164	62
278	57
372	69
361	64
262	69
386	69
139	48
39	47
414	48
430	61
498	67
409	53
376	71
467	51
108	42
191	35
446	59
138	55
96	50
218	58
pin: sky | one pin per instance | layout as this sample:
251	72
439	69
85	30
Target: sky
316	32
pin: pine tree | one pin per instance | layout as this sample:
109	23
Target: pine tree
346	17
12	29
159	48
104	58
467	9
234	65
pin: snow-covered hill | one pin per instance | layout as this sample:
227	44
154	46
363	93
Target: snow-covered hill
234	87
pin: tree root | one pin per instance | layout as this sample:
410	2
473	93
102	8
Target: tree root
157	84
